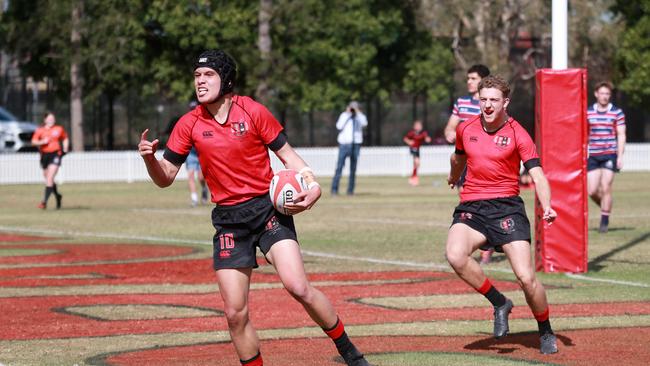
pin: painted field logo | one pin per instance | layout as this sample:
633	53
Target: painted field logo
507	225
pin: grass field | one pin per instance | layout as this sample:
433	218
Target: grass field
121	276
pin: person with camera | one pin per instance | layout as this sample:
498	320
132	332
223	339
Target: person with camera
350	126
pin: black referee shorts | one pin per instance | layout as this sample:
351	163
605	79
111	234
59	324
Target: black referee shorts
500	220
241	228
50	158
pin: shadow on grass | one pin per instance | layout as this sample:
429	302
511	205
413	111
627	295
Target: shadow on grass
596	265
513	342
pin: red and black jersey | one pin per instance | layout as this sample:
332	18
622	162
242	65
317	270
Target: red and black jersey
417	137
234	156
494	159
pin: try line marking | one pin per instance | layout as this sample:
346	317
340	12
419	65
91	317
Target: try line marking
430	265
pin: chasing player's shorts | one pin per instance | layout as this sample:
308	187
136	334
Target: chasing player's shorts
500	220
602	162
50	158
192	162
241	228
415	151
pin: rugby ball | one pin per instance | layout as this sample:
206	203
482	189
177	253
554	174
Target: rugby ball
285	185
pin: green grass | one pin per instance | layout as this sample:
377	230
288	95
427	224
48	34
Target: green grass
388	225
387	220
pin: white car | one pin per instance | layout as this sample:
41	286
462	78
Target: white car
15	135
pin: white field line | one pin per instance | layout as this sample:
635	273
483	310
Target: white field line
616	282
432	265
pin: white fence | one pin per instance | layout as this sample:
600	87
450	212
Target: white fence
127	166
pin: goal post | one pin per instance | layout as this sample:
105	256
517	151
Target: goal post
561	139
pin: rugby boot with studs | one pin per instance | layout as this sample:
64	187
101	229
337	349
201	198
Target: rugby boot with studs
501	319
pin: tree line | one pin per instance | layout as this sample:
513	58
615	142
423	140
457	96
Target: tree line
312	55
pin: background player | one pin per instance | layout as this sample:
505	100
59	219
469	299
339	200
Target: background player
606	147
491	213
53	143
232	135
195	174
414	139
465	108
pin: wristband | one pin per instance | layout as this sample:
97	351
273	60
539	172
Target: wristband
305	169
308	175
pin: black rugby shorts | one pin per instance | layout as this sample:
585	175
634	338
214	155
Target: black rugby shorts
500	220
242	228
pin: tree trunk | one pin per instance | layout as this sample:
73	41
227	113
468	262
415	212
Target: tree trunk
111	122
76	79
264	45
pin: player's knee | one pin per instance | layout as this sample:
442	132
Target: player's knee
456	259
527	282
606	189
237	316
592	191
300	290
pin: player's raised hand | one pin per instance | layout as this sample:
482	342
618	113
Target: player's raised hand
549	215
145	147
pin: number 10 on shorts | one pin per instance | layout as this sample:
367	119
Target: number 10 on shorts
227	241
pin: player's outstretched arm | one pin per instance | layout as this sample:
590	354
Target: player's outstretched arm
162	172
543	191
305	199
457	162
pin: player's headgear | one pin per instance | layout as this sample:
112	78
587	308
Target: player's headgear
223	64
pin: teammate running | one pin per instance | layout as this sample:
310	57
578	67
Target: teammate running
232	135
491	214
414	139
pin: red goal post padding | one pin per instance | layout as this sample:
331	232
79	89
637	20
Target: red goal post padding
561	139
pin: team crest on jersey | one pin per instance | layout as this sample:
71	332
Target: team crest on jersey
238	128
507	225
208	134
502	141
